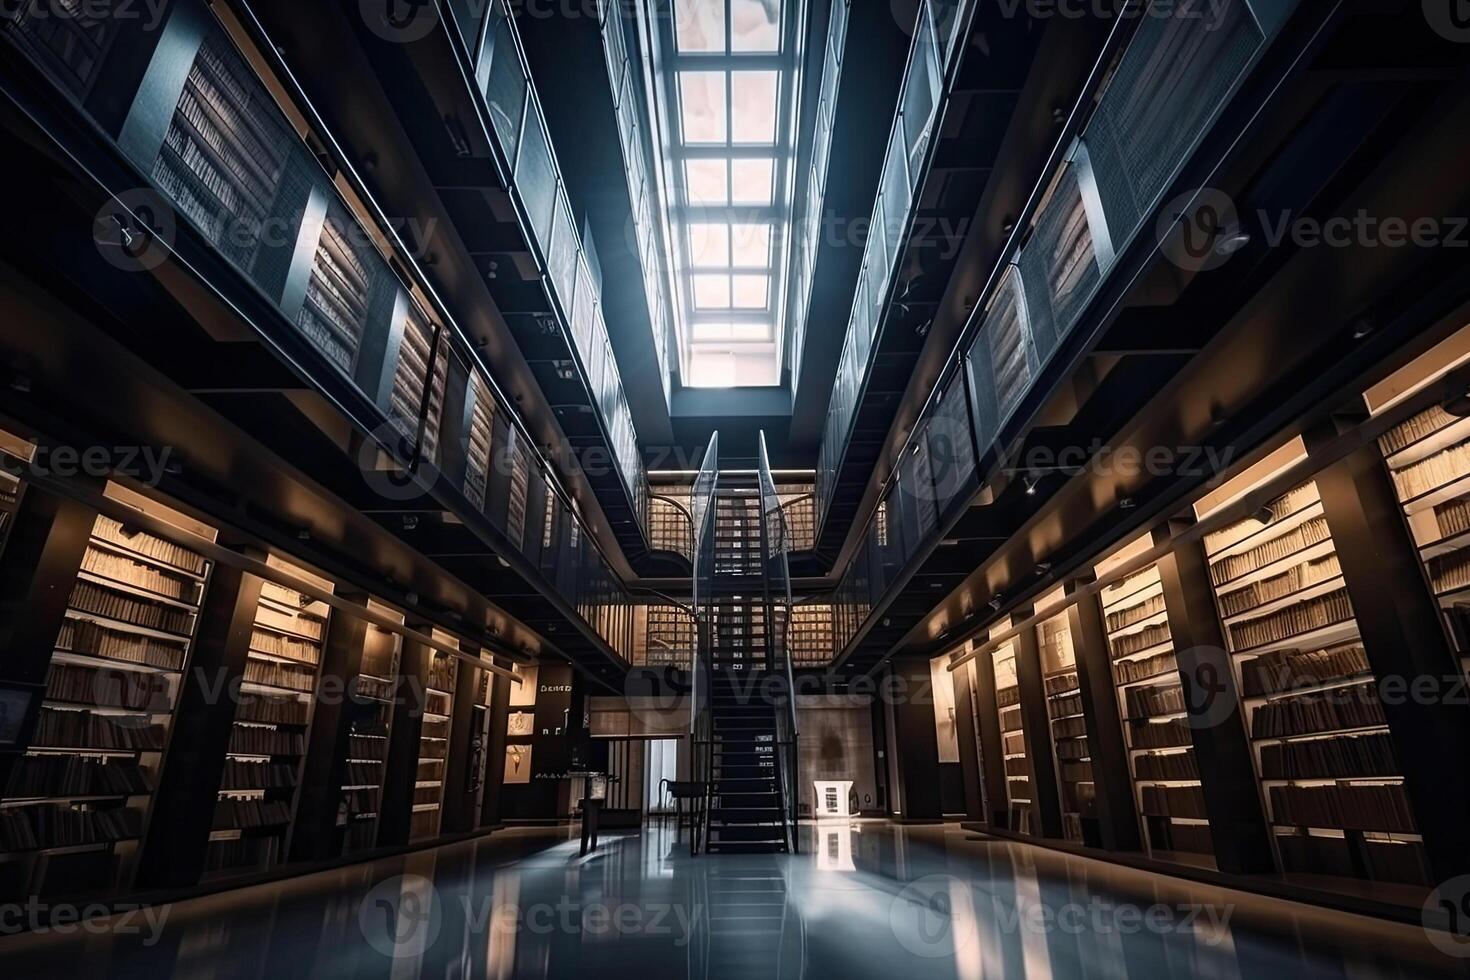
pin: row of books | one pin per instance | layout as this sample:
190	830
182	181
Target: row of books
1013	742
1007	696
1131	643
1453	517
1174	801
433	750
1069	727
1352	706
84	730
423	795
434	728
442	671
1434	472
70	775
373	688
1382	808
1348	757
1071	704
429	770
1168	735
265	741
1124	618
1449	572
273	674
1385	860
234	813
360	801
359	747
1061	683
1286	670
1072	748
84	636
98	600
1171	766
241	774
1303	536
105	688
1294	579
290	647
1292	502
1129	671
1421	426
146	544
272	711
1326	610
369	774
1076	772
110	564
32	828
1010	719
301	624
1158	699
436	703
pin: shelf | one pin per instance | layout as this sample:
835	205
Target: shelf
1429	445
147	595
103	544
1303	594
1432	498
278	658
1269	532
1350	680
1122	601
1285	563
71	848
1169	675
1314	639
1162	616
273	689
14	801
425	807
82	750
289	609
1316	736
1166	646
123	626
315	641
1445	546
92	660
1332	780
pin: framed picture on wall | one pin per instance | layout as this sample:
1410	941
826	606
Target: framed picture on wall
520	724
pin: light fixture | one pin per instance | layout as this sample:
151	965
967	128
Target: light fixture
995	603
1031	480
1363	327
1042	567
1264	516
1231	240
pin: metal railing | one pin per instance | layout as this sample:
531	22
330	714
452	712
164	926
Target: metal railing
701	675
775	545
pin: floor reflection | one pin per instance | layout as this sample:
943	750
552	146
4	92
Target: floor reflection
866	899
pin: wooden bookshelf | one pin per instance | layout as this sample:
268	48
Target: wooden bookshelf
1323	756
1019	795
1068	725
260	787
78	800
372	706
1166	783
428	793
810	637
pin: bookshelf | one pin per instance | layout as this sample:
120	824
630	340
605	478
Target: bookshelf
1428	457
1166	781
1019	797
371	705
810	636
428	787
263	764
78	800
334	316
1323	755
1068	724
412	377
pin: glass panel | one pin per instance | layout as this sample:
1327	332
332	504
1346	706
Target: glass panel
755	25
707	182
711	292
699	25
709	245
753	103
702	106
753	181
752	292
752	245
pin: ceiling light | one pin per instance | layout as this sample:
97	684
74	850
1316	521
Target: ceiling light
1232	240
1264	516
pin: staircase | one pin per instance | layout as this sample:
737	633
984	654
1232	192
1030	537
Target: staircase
747	806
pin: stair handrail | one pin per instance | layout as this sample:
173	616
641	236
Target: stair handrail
775	538
701	734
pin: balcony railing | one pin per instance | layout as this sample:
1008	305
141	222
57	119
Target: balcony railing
211	154
1175	76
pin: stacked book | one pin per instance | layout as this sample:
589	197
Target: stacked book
107	688
1131	643
1353	706
149	546
1383	808
1327	610
88	597
272	711
108	564
1174	801
45	826
83	636
1173	766
234	813
1436	471
240	774
1280	586
1286	670
265	741
1347	757
273	674
1124	618
58	775
84	730
1129	671
1148	702
1299	538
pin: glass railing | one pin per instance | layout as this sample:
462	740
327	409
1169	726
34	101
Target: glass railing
1172	79
519	125
624	76
225	162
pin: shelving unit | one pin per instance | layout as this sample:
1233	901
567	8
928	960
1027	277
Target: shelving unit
79	799
334	316
1332	786
428	792
810	637
1429	459
262	777
1068	724
1013	739
1161	756
412	376
371	704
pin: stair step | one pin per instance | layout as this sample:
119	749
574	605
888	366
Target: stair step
733	816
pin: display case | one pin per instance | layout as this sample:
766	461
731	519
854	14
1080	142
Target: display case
1151	704
79	798
260	785
1323	754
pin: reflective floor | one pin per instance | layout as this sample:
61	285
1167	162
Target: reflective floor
865	900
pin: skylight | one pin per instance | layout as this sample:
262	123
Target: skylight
728	78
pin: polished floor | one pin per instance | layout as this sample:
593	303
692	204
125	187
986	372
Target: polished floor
868	899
